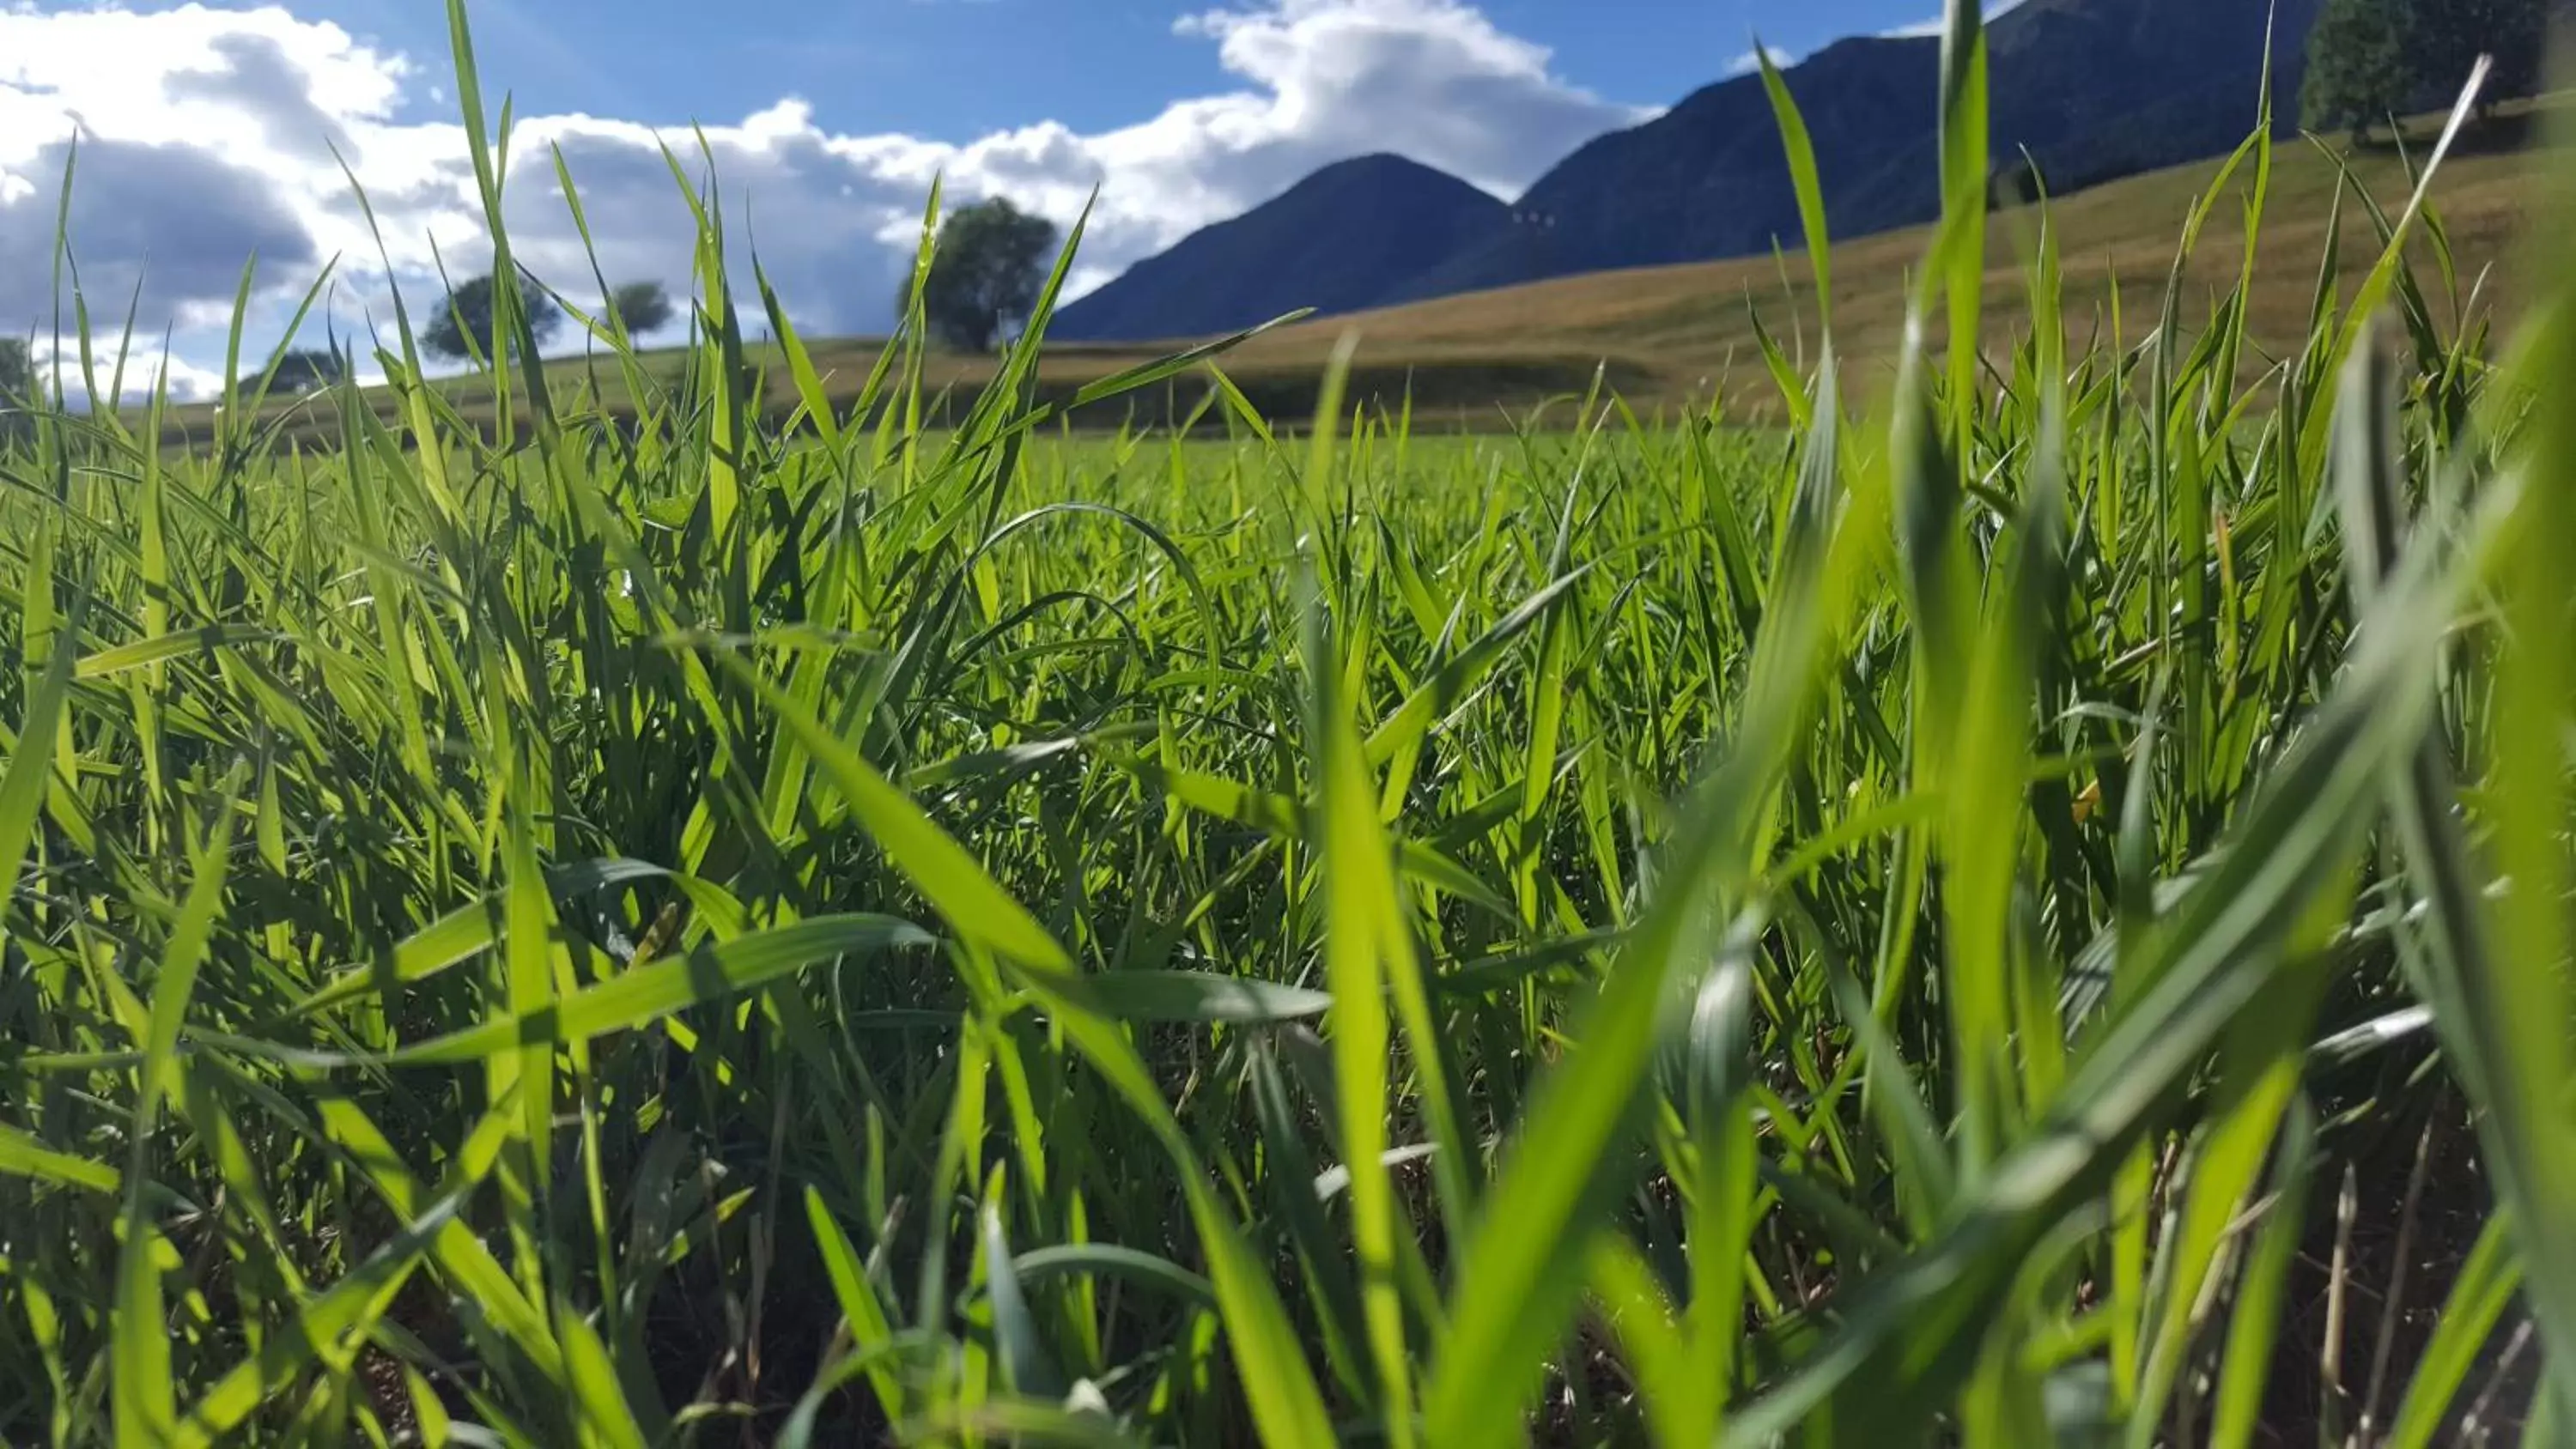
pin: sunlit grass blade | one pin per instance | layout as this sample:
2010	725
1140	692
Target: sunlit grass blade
648	993
2255	1320
965	895
140	1364
1278	1384
1204	997
2484	1288
23	1156
1518	1277
23	784
1909	1336
322	1321
1363	929
1727	905
1803	176
2522	1001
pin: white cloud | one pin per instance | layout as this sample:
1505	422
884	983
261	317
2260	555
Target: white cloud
207	133
1749	62
1935	24
1432	79
162	228
132	377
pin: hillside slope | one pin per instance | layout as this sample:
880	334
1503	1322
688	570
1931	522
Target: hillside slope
1338	240
1692	324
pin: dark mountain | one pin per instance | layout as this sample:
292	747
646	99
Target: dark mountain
1706	178
1336	241
2092	89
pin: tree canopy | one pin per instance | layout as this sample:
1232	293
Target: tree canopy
2358	70
17	387
642	306
2373	60
467	312
308	368
17	373
986	273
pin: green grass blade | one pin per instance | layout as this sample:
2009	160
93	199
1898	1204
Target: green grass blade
1803	178
646	994
962	891
22	1155
2487	1280
1363	925
1201	997
2256	1316
139	1362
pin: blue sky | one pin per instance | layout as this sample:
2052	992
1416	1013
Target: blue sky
957	68
207	129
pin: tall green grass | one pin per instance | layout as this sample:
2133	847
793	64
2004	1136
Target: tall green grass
689	929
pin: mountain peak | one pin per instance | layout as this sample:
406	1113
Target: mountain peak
1377	163
2094	89
1336	241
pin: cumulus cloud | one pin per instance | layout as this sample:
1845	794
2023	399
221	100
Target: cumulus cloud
161	227
144	366
206	133
1432	79
254	74
201	137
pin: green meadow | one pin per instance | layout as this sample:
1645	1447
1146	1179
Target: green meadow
2026	901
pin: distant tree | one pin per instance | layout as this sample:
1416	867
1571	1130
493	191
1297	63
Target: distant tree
17	387
2358	70
643	306
989	267
17	373
306	369
2446	37
468	312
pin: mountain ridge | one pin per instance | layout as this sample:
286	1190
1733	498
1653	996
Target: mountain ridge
2093	90
1296	250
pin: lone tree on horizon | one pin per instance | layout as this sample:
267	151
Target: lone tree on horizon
2358	73
2375	60
985	273
308	369
642	306
18	394
17	373
467	312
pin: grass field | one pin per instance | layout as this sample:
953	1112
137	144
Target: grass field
2033	914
